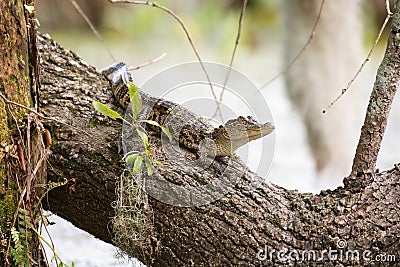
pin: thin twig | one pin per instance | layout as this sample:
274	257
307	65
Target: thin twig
28	155
32	173
147	63
188	36
18	105
387	5
48	234
344	90
16	123
7	101
306	45
93	28
242	12
27	108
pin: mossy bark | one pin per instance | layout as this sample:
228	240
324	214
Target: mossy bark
17	80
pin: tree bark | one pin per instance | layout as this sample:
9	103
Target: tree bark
20	150
235	230
380	103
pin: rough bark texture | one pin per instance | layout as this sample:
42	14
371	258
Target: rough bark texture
18	83
86	152
385	87
230	231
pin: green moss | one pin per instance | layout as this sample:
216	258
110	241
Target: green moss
396	22
92	123
3	175
7	204
4	133
13	79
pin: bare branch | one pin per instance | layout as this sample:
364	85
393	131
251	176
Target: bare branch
7	101
306	45
387	5
344	90
385	87
148	62
93	28
242	12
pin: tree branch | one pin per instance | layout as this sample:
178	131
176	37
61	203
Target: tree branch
385	87
234	230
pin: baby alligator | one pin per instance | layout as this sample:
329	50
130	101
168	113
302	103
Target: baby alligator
190	129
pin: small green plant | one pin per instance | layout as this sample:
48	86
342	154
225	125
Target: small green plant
45	222
21	233
19	250
137	158
130	223
20	238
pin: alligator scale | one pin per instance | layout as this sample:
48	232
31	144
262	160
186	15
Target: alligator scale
185	126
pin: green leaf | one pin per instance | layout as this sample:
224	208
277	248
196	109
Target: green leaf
136	100
151	122
131	158
144	138
132	89
150	168
165	130
137	164
106	111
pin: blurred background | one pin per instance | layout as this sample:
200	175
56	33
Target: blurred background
310	147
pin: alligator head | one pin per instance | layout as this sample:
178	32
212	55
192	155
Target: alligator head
238	132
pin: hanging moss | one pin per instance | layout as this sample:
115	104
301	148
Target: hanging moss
130	225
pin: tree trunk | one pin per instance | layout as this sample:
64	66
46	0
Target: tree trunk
326	65
247	226
20	137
